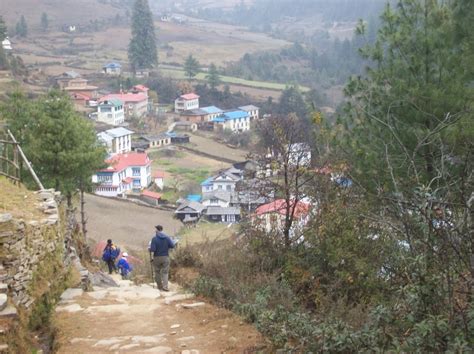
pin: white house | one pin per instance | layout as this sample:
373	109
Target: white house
186	102
224	181
111	111
253	111
159	179
217	199
125	173
212	112
7	44
237	121
271	217
135	104
117	140
113	69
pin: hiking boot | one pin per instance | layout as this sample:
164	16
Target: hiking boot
165	289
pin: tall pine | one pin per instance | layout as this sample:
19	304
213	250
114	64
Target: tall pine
142	52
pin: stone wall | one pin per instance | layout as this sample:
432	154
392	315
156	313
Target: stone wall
24	246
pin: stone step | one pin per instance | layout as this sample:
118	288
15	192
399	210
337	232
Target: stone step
3	348
9	312
3	288
3	301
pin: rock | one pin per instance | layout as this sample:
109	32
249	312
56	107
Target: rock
70	308
5	217
128	346
173	333
9	312
159	350
4	347
193	305
190	351
175	326
102	279
70	294
149	339
224	326
3	301
185	339
110	341
3	288
180	297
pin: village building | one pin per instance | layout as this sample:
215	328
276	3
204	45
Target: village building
226	215
177	138
117	140
184	126
223	181
299	154
236	121
112	69
159	179
271	217
80	100
189	211
7	44
135	104
150	197
126	173
156	141
212	112
217	199
186	102
81	86
253	111
194	116
111	112
140	89
63	80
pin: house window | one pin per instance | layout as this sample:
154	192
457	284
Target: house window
135	171
104	178
229	188
214	201
219	187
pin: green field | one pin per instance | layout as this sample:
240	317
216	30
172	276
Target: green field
178	74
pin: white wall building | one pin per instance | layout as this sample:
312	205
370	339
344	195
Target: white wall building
253	111
111	112
186	102
117	140
125	173
236	121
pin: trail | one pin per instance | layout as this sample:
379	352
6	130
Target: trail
141	319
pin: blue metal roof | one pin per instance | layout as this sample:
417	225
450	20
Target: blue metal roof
207	182
212	109
219	120
194	198
235	115
112	65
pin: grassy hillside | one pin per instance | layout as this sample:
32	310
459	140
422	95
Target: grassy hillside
60	12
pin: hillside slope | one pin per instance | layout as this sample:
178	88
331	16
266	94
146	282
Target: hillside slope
60	12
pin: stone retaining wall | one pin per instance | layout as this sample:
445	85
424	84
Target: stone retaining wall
25	244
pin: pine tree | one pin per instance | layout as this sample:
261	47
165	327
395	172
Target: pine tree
213	77
44	22
21	27
3	29
142	52
191	66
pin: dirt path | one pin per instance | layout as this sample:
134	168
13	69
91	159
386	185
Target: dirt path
140	319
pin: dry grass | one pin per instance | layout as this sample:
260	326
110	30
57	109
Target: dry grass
18	201
206	232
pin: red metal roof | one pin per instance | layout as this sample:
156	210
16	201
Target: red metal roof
279	206
141	88
158	174
189	96
80	96
151	194
125	97
120	162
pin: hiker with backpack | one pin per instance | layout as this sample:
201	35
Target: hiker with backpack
159	248
109	255
124	267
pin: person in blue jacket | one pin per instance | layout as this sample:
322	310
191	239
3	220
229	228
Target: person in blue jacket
110	254
159	247
124	267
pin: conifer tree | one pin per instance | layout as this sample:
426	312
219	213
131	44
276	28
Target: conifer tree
44	22
142	52
21	27
191	66
3	29
213	77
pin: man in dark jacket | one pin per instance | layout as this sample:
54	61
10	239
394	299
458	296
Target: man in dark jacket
159	246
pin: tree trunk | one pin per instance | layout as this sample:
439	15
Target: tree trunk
83	214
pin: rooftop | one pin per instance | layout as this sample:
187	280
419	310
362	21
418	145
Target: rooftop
112	102
249	108
194	112
125	97
212	110
120	162
216	210
118	132
141	88
189	96
112	65
279	206
151	194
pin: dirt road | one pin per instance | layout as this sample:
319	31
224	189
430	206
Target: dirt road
128	224
140	319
